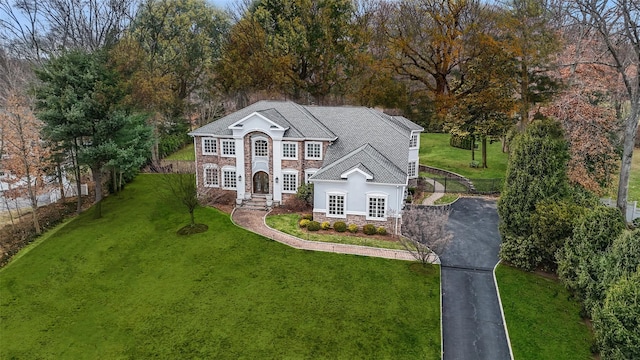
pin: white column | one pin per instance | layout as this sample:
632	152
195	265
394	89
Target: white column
277	170
240	168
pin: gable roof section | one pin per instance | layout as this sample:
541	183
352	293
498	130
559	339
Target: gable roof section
368	160
284	113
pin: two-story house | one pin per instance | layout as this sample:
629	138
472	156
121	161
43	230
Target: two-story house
360	160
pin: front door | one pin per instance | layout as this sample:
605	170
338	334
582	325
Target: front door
261	183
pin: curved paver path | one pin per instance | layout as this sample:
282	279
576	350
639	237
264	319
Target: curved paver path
472	322
438	192
253	220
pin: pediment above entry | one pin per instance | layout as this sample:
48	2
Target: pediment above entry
257	122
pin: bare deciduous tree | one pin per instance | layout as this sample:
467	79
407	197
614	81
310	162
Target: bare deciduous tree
35	29
615	23
425	231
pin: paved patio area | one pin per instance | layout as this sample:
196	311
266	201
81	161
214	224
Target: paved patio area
254	221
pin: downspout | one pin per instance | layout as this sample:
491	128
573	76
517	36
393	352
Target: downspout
397	209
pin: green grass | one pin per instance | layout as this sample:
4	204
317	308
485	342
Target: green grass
435	151
634	177
186	153
288	223
126	286
446	199
542	322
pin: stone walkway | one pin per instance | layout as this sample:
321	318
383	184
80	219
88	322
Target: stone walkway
254	221
438	192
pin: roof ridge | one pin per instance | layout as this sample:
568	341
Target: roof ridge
386	158
315	119
343	158
388	120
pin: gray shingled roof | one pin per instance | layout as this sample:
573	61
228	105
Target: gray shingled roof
368	160
284	113
361	136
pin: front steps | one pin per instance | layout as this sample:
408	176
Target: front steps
257	202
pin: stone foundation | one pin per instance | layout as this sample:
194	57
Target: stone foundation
361	220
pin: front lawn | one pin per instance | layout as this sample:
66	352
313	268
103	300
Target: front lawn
435	151
543	322
126	286
288	223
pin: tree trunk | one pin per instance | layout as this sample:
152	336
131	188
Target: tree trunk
76	169
114	181
484	152
630	132
473	148
97	179
60	179
193	219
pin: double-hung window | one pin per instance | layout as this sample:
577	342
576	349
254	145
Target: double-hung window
289	182
412	169
211	176
209	146
376	206
229	179
413	143
289	150
335	205
228	147
313	150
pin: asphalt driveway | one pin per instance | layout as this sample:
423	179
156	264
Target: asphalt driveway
472	324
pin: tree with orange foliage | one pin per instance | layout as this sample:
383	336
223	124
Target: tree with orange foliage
586	111
26	153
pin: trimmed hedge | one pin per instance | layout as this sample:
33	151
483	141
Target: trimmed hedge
313	226
325	225
340	226
304	223
353	228
381	230
369	229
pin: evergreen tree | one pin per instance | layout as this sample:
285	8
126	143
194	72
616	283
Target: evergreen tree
537	171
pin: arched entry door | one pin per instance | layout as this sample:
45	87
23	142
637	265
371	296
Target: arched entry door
261	183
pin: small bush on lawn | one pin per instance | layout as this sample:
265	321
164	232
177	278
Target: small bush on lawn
313	226
369	229
353	228
381	230
304	223
307	216
325	225
340	226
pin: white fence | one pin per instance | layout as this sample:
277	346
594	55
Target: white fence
633	212
43	199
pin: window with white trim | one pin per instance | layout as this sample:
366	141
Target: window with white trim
335	205
211	176
376	207
289	182
313	150
228	147
308	174
209	146
229	179
289	150
414	141
411	169
260	148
